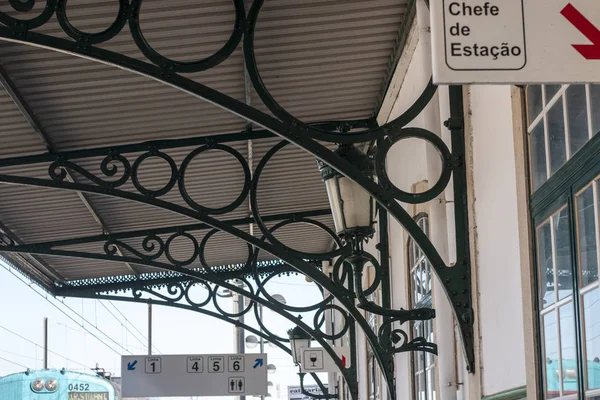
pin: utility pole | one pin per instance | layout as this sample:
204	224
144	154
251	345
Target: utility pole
45	342
240	332
149	329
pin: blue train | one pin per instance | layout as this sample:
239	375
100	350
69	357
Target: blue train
56	385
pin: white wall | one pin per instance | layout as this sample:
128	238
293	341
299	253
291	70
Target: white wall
497	240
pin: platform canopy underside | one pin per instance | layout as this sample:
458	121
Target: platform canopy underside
325	61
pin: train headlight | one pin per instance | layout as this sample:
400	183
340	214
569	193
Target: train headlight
51	385
38	385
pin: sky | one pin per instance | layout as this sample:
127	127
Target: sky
84	333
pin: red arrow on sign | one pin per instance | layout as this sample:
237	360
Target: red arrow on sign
343	360
589	51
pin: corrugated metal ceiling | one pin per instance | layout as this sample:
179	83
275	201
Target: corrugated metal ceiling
323	60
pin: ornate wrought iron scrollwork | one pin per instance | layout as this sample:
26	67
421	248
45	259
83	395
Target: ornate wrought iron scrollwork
117	170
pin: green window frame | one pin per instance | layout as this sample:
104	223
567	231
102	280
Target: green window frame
564	157
421	285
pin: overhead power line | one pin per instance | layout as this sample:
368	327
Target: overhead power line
73	319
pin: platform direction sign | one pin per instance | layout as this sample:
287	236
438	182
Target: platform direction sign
515	41
194	375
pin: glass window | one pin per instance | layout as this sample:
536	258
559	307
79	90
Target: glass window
562	119
577	117
534	101
546	265
595	107
568	349
551	91
562	248
552	369
591	306
423	363
556	137
586	237
539	167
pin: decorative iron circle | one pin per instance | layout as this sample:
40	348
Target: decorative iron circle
244	310
187	66
311	131
384	146
175	262
367	257
203	248
192	302
92	38
266	330
268	233
27	24
165	189
319	316
264	292
223	210
22	5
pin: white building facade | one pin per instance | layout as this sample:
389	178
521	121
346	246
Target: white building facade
532	166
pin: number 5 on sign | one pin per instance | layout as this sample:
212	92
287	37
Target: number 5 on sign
236	364
215	364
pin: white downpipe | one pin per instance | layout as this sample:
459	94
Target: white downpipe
443	324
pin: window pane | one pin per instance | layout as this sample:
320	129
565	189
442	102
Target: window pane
551	355
534	101
588	257
591	306
562	245
546	265
577	115
556	134
551	90
537	143
567	347
595	100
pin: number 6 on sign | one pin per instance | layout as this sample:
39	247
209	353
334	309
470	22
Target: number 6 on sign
236	364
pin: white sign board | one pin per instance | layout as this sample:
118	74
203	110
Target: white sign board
194	375
316	359
515	41
295	392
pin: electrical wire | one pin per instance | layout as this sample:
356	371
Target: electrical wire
73	319
133	326
20	355
123	325
12	362
38	345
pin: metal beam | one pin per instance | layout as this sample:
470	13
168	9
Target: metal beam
38	128
163	144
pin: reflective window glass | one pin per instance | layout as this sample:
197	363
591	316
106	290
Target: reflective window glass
595	107
556	137
591	304
551	91
539	172
534	101
586	238
577	117
562	246
546	265
568	349
551	356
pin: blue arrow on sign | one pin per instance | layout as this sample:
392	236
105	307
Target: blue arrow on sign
259	363
131	365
